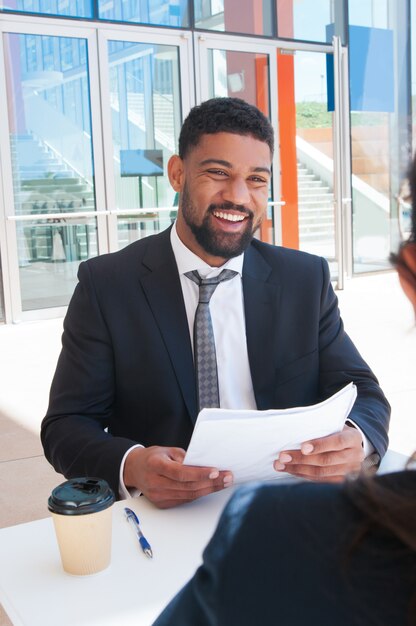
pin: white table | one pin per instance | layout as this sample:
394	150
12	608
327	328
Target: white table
35	591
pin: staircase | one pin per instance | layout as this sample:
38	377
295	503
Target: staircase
316	214
44	183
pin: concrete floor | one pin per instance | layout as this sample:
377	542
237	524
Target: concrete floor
376	315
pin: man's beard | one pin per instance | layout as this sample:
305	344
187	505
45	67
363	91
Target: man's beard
214	242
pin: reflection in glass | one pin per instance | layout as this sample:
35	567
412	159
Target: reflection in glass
146	116
368	13
157	12
380	129
50	123
370	146
130	228
314	151
304	19
50	251
236	16
243	75
1	295
68	8
51	148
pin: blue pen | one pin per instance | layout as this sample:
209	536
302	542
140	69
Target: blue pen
134	520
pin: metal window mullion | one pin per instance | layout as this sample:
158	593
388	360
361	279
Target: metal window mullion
337	139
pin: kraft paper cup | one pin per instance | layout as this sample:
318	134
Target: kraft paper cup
82	514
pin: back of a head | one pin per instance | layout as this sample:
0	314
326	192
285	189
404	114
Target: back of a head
405	259
227	115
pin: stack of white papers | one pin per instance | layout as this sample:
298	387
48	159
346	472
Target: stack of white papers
248	442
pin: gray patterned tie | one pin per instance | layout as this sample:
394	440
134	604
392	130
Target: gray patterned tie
204	343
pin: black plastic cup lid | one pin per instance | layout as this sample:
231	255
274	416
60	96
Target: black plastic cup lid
80	496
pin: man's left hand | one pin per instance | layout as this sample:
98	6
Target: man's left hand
326	459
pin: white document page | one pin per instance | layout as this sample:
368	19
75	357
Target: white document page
248	442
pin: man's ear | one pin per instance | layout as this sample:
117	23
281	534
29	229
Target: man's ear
176	172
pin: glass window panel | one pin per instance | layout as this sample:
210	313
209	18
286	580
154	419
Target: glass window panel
49	252
146	116
50	124
368	13
413	69
133	227
380	130
158	12
304	19
67	8
2	316
52	162
242	75
249	17
314	151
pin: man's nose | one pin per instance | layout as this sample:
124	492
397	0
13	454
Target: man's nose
236	191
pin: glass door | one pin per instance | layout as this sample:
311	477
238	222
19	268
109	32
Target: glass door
144	102
93	117
52	172
224	70
308	208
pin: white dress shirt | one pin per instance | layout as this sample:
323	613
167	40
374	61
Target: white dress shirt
228	323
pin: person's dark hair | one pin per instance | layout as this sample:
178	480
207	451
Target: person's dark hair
404	260
388	507
412	185
224	115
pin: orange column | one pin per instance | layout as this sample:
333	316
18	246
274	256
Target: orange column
262	102
288	160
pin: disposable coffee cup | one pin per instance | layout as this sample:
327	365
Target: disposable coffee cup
82	514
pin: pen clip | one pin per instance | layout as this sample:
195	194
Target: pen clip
132	517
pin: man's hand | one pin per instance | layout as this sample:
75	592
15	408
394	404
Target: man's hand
160	475
326	459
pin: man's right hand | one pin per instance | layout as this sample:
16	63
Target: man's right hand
160	475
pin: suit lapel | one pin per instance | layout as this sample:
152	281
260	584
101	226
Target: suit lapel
261	306
164	294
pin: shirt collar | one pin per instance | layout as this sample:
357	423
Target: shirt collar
187	261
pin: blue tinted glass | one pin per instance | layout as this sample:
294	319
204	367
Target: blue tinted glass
250	17
69	8
157	12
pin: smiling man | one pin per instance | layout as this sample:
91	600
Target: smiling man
132	376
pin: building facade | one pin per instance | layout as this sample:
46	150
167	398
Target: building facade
93	95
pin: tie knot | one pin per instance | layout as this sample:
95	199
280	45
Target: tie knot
207	286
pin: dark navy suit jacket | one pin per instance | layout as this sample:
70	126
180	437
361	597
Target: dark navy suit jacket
126	374
287	555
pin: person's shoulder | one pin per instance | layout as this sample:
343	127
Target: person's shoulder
294	265
279	254
297	493
128	257
297	502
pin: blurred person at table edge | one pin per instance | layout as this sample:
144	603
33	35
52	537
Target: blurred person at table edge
123	401
341	555
405	259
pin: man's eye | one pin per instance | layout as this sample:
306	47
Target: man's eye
217	172
258	179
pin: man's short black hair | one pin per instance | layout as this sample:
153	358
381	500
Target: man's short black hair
224	115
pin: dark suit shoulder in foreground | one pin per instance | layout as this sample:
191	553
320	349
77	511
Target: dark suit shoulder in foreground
282	554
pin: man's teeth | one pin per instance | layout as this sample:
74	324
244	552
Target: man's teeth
229	216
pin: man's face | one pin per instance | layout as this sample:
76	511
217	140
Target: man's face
224	185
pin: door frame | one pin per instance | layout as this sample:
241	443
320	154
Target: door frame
341	126
193	61
101	137
183	41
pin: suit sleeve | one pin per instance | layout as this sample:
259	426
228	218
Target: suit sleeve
82	394
341	363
